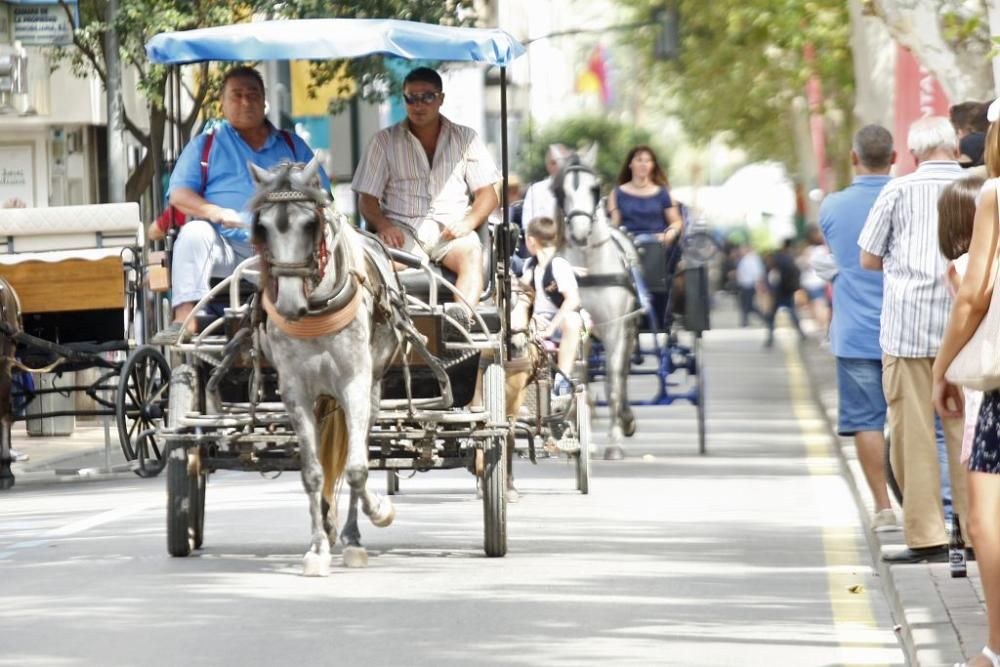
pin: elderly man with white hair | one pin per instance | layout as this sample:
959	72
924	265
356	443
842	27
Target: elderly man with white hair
540	201
900	238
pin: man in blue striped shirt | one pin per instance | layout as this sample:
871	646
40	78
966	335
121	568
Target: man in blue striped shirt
900	239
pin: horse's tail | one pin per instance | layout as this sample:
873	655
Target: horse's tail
332	446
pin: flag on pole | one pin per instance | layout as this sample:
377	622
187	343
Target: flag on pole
594	78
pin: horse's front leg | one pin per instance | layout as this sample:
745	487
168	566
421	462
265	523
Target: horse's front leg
616	360
627	417
360	401
316	562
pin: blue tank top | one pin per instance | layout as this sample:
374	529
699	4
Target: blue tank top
643	215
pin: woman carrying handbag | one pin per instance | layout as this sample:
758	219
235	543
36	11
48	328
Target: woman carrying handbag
973	329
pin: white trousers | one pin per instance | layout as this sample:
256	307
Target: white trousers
201	253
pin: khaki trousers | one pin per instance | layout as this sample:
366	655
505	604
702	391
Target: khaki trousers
907	386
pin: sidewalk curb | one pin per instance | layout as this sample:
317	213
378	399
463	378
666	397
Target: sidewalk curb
904	629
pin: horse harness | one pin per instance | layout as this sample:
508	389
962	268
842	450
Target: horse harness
336	312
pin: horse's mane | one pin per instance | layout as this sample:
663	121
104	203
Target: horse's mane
287	178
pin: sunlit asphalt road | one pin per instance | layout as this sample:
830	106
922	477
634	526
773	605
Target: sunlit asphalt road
747	556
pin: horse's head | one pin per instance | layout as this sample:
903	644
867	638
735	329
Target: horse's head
577	189
289	228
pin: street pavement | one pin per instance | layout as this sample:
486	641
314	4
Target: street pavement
942	620
754	554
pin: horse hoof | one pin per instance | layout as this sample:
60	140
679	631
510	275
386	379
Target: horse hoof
384	515
355	557
614	453
315	565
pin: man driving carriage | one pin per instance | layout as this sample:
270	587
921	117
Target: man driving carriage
414	182
212	185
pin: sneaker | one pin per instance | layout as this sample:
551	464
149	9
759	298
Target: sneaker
17	456
884	521
167	336
460	314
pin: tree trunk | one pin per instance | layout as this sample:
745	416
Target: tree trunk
874	65
963	70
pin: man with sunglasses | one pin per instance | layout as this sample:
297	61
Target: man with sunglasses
415	179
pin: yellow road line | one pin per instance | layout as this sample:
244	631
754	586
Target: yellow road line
852	609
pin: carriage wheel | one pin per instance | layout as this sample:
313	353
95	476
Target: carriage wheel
185	488
583	435
391	482
6	476
200	483
494	476
699	385
140	404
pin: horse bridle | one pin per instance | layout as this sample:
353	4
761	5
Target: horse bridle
314	267
560	195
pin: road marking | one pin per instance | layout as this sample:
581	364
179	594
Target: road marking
78	526
852	608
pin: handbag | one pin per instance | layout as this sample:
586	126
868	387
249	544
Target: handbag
977	365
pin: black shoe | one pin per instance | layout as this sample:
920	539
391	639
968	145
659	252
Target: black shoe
937	554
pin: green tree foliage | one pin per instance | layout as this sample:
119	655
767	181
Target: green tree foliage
139	20
742	62
614	140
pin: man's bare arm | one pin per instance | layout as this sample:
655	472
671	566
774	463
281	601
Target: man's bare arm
191	203
870	261
371	210
485	201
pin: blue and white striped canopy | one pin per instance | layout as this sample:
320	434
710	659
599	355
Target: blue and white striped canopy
325	39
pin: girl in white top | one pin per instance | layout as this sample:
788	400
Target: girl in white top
956	213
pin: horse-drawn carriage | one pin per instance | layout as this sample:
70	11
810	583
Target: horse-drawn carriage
344	365
630	285
71	287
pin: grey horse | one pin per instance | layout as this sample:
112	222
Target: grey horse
606	288
315	270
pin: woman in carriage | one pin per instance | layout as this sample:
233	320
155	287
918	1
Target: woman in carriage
641	205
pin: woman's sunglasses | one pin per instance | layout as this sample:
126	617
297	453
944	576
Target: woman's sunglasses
423	98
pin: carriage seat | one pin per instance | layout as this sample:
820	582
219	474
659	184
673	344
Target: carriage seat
417	283
69	258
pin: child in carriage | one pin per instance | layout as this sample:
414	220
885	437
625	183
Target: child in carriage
556	303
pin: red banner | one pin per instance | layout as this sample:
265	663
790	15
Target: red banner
918	94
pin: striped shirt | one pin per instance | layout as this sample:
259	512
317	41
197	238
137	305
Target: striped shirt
902	229
395	170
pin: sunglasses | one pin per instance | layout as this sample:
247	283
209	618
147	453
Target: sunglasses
422	98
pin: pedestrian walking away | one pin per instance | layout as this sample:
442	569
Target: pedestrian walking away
857	307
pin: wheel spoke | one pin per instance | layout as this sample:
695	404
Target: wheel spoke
135	399
155	447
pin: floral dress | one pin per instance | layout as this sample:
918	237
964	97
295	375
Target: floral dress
985	455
